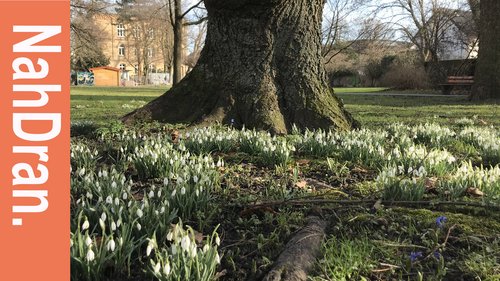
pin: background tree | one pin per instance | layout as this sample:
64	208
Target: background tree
424	23
487	79
85	35
261	66
178	19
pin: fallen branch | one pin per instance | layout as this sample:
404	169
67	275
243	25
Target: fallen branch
371	202
300	252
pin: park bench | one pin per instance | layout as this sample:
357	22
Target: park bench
452	81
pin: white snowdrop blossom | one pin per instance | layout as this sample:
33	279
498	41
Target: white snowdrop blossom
90	255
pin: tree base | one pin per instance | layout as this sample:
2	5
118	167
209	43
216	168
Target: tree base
261	68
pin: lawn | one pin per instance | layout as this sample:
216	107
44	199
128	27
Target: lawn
101	105
408	201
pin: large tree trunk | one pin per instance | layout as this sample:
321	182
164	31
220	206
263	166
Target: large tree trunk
487	79
261	66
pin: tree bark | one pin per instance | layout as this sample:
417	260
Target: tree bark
299	256
261	67
487	79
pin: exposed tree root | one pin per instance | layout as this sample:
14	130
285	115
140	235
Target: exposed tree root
300	252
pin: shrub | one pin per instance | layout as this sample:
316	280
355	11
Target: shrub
406	76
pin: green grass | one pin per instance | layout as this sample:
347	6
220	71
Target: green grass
103	104
375	111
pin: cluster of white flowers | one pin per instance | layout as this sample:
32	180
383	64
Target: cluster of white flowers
398	183
271	150
83	157
432	134
434	161
487	181
182	258
210	139
487	140
363	145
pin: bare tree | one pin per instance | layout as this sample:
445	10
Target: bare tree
196	39
424	23
345	24
178	16
86	51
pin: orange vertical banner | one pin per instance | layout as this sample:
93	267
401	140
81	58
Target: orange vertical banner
34	142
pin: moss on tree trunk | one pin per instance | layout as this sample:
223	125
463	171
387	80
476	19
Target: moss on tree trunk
261	66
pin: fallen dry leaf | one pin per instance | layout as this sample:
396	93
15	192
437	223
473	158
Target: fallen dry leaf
430	184
475	192
359	170
303	161
301	184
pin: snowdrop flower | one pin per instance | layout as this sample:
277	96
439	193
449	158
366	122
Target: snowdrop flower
174	249
217	240
166	269
101	223
113	226
104	216
109	200
217	258
151	246
111	245
88	241
157	268
170	236
90	255
85	225
139	213
183	190
151	194
124	196
192	251
138	226
185	243
117	201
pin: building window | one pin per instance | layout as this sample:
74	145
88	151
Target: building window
122	67
137	32
121	50
150	52
152	68
136	68
120	30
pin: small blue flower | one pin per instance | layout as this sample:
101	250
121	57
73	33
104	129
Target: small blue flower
440	221
232	122
437	255
415	255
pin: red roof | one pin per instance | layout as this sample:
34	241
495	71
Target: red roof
105	67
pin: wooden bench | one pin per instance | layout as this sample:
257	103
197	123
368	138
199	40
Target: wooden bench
452	81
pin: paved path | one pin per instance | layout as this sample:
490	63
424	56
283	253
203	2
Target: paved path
400	94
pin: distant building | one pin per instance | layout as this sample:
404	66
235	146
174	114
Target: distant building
460	40
139	49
